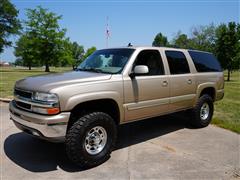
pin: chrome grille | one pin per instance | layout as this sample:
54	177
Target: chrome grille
22	93
23	105
22	98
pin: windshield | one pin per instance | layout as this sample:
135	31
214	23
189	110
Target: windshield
110	61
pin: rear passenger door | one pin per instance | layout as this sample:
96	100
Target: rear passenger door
182	82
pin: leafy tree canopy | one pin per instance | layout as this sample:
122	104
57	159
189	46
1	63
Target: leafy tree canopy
25	51
203	38
181	41
160	40
9	24
77	53
45	36
222	40
90	51
228	45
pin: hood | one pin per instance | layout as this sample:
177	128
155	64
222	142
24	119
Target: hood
45	83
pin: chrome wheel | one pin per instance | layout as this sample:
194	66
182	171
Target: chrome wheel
95	140
204	111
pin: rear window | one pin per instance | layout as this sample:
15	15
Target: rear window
205	62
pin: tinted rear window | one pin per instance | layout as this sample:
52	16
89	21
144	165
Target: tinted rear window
177	62
205	62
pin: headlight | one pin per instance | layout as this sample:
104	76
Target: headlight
45	97
49	101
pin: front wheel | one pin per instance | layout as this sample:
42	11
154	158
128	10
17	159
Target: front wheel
91	139
203	111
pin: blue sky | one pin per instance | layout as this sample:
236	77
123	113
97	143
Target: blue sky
132	21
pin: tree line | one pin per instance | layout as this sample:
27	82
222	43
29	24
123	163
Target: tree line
222	40
42	42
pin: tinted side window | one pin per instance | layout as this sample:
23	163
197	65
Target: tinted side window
205	62
152	59
177	62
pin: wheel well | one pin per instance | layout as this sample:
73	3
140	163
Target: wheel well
108	106
209	91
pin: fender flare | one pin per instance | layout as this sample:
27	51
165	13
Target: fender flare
73	101
203	86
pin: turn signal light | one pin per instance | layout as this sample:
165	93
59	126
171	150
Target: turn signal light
53	110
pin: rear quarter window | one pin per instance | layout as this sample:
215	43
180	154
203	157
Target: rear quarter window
205	62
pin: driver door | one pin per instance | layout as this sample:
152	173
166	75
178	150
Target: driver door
147	95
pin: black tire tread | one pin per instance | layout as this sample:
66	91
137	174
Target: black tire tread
195	120
73	133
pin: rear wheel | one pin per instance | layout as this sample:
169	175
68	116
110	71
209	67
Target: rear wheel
90	140
202	112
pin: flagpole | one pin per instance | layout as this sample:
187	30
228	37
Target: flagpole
107	33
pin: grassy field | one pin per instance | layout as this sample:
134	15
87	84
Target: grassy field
8	77
227	111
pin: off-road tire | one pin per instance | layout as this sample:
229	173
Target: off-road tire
196	119
76	135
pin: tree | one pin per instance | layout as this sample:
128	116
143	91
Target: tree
181	41
160	40
203	38
89	52
78	54
71	54
228	45
65	56
9	24
48	36
25	50
18	62
236	61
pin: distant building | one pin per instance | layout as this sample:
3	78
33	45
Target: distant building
5	64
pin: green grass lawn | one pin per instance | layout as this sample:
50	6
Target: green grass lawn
227	111
9	75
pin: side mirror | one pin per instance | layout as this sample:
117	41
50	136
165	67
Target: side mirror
139	69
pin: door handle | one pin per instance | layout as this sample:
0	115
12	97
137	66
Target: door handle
189	81
164	83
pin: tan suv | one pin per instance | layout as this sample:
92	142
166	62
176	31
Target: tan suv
114	86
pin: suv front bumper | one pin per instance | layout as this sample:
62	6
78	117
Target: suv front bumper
51	128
